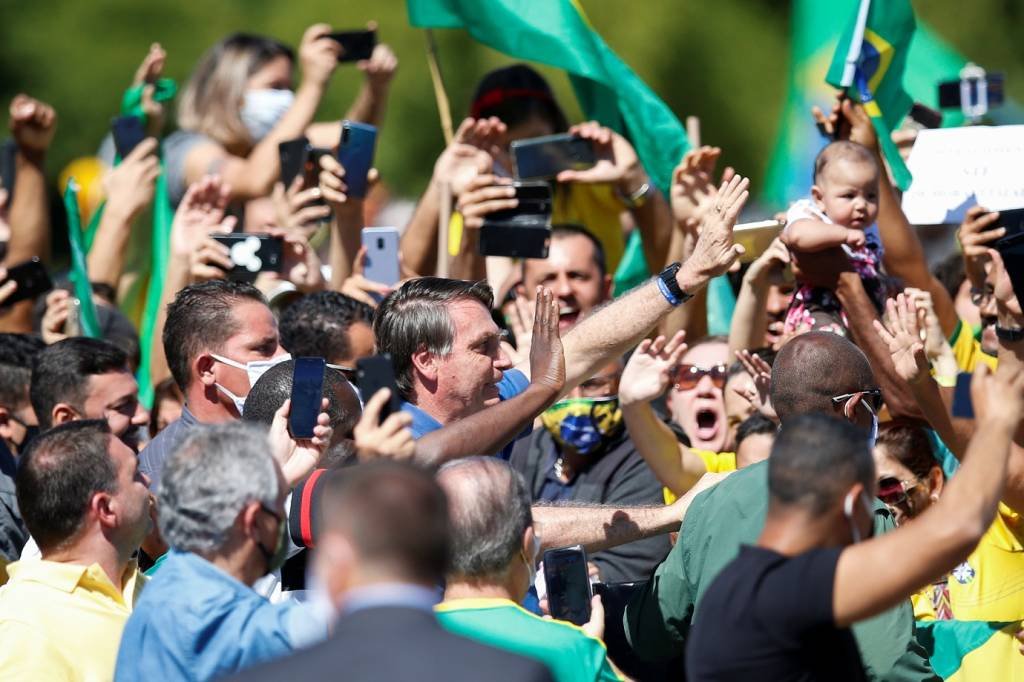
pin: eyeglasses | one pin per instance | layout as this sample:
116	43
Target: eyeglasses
688	376
892	491
872	397
979	296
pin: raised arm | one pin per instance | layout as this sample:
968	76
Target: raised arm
612	330
943	536
810	236
749	319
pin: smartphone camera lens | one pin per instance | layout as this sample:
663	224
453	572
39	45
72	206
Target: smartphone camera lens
380	243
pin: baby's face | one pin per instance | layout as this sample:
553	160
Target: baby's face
848	193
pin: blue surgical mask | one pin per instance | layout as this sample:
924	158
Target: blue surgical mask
263	108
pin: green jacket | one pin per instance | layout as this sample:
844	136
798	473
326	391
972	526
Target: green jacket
732	513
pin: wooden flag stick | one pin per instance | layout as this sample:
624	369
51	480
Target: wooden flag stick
693	131
445	113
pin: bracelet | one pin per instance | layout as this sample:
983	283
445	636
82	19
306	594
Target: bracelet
1011	335
637	198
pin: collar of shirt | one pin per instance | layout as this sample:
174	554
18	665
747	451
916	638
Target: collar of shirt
422	423
68	577
187	418
391	594
191	566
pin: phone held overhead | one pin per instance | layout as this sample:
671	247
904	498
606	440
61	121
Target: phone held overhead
523	231
307	396
252	254
355	154
374	373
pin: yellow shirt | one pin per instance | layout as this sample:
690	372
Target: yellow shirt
716	462
63	621
597	208
967	349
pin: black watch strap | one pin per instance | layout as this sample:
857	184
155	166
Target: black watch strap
670	287
1010	335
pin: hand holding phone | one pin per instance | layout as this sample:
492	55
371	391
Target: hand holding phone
355	153
374	373
355	45
307	396
546	157
128	132
252	254
31	280
382	246
568	584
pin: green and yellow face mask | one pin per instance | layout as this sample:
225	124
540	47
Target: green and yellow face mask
583	424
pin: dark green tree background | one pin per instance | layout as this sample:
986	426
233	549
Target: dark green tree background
724	61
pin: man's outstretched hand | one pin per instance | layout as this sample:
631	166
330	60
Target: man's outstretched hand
716	252
547	361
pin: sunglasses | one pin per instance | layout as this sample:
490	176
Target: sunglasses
892	491
871	396
686	377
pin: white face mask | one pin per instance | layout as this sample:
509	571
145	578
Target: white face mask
263	108
254	369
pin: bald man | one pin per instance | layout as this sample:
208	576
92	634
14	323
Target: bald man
815	372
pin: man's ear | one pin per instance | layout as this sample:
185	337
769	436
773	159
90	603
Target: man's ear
246	519
528	536
425	363
102	505
202	367
63	413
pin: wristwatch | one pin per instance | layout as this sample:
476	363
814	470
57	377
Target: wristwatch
670	288
1011	335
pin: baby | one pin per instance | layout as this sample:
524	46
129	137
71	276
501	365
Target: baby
844	207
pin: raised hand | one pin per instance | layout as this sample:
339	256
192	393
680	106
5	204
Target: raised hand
53	328
693	191
768	268
33	124
200	212
298	208
484	195
617	161
130	186
901	334
715	252
649	370
391	439
760	397
547	361
1006	298
358	287
298	457
318	55
935	344
379	68
471	153
976	235
149	70
301	264
846	121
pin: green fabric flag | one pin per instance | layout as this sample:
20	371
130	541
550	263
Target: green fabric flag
557	33
877	78
90	325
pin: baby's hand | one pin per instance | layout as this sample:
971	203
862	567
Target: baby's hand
855	238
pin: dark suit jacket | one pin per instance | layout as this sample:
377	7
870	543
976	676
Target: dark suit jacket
394	643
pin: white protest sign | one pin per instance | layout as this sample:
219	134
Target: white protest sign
956	168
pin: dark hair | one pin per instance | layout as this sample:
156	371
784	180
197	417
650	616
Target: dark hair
395	514
61	372
515	94
841	149
415	316
951	273
57	476
202	318
908	444
317	325
815	459
275	386
812	368
17	353
753	425
165	390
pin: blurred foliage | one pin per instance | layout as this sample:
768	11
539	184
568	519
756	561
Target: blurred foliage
723	61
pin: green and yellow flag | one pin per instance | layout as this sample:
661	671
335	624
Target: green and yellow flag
869	63
79	274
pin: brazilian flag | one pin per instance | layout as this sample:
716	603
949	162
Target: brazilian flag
876	65
557	33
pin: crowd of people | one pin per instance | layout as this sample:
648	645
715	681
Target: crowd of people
794	500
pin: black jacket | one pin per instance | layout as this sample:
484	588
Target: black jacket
393	643
617	474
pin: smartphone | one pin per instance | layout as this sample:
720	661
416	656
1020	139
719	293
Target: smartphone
355	45
307	396
515	239
294	154
963	408
756	237
374	373
32	279
546	157
534	197
1012	219
568	584
1012	250
128	133
252	254
8	167
925	116
381	264
355	152
951	94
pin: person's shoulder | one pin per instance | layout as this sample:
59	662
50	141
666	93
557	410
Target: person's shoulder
512	383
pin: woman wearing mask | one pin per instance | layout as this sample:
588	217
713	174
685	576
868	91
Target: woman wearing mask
987	588
240	102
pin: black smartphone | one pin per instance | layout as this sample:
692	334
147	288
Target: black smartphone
355	153
252	254
568	584
32	279
515	239
374	373
950	93
8	167
1012	250
307	396
925	116
534	197
1012	219
294	154
355	45
963	408
128	133
546	157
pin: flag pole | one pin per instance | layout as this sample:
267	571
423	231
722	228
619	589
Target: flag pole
445	113
856	43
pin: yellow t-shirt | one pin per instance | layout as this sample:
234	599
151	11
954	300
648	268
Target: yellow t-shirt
716	463
63	621
967	349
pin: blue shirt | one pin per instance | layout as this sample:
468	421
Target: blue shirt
512	384
196	622
158	450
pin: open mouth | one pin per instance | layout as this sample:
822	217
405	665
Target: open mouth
567	316
707	424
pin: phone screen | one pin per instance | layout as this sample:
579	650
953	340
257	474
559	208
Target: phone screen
963	408
128	133
568	584
355	45
546	157
293	154
355	153
252	254
307	395
373	374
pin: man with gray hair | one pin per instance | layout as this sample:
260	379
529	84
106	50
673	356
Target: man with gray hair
494	558
222	511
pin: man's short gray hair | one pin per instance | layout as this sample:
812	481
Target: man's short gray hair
416	316
215	472
490	510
